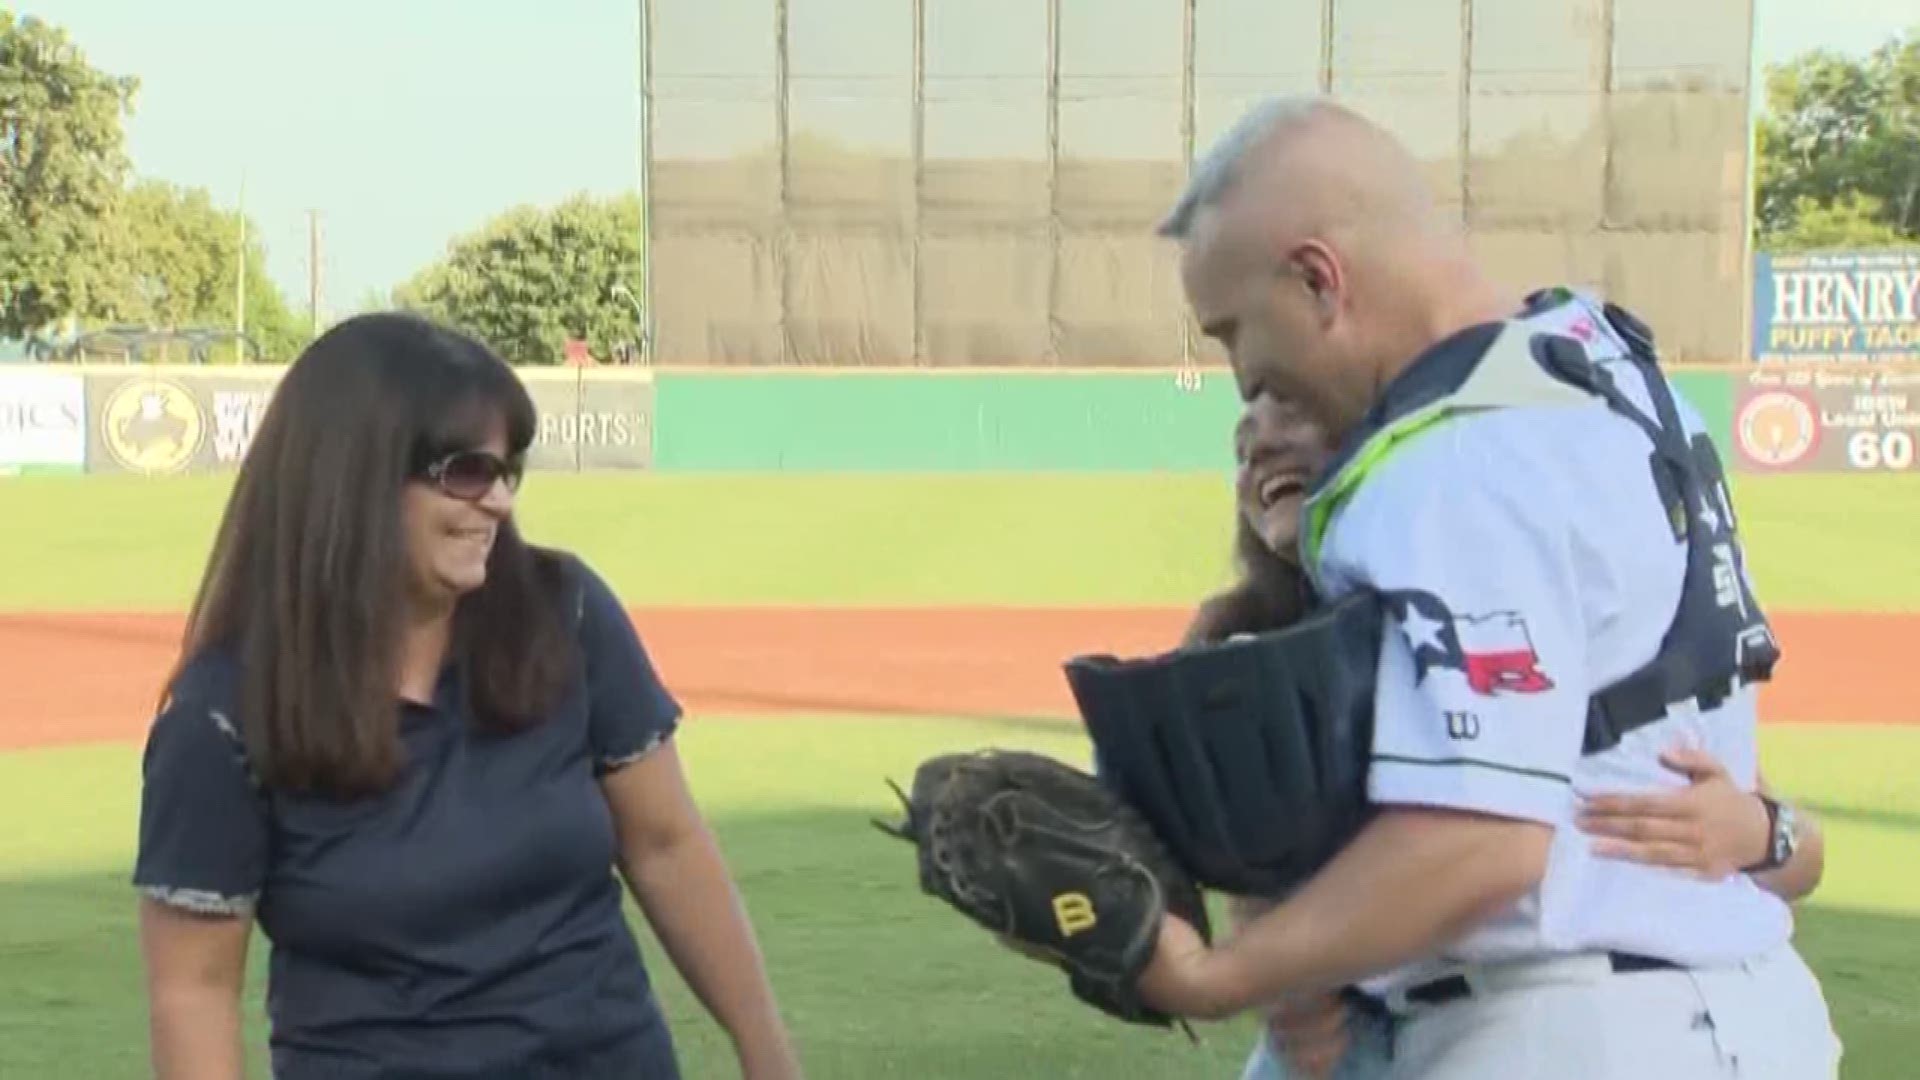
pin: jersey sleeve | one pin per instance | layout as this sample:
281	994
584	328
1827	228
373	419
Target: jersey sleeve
1483	686
630	710
204	831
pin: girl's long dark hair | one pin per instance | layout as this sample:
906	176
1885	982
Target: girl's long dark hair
307	580
1271	592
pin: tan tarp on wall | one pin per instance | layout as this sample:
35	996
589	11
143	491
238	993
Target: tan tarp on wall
993	201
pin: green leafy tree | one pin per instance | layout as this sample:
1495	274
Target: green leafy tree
170	258
168	252
532	278
280	330
62	164
1841	142
1855	220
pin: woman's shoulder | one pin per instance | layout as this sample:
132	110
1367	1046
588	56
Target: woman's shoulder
208	678
584	588
199	717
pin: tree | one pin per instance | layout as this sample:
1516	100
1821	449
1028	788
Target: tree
168	252
170	257
1841	141
1855	220
62	164
531	278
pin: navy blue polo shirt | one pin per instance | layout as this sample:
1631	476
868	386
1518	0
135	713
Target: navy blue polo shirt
465	923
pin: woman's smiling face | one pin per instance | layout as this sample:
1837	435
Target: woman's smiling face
1278	450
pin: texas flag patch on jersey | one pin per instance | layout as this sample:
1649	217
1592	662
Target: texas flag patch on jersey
1493	650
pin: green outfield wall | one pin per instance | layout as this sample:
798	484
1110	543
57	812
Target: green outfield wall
1710	392
973	421
960	421
162	420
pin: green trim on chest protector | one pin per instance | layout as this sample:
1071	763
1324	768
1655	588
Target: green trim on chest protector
1506	375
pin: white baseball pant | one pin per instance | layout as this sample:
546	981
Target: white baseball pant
1576	1019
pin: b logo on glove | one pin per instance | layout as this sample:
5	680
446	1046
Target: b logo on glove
1073	913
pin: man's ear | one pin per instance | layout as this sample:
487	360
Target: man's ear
1320	273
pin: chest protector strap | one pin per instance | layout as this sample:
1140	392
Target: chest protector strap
1719	639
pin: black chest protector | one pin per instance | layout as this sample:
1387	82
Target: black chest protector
1250	757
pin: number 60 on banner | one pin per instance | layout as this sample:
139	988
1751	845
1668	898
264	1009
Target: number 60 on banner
1880	450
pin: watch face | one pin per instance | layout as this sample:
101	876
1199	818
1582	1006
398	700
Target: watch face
1786	834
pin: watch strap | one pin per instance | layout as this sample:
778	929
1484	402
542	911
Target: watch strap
1777	852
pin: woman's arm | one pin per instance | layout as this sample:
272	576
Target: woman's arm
675	871
1802	873
1309	1030
195	968
666	853
199	871
1710	827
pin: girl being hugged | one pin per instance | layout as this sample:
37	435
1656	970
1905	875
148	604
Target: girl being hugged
424	756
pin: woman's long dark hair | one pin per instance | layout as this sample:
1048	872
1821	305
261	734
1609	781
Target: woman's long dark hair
1271	592
307	580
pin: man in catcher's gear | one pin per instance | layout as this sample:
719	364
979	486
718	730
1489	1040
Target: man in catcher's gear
1278	450
1550	544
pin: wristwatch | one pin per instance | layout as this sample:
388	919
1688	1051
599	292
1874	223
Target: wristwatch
1783	835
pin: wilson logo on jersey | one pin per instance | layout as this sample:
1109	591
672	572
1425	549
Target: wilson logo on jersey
1493	651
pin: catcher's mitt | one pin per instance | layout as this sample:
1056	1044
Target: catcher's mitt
1045	856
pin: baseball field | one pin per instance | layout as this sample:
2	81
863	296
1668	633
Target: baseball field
828	631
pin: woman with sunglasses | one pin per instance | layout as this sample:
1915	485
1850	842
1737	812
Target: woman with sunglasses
1709	826
423	756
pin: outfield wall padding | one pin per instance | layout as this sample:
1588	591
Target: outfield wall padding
157	420
1711	393
914	421
955	421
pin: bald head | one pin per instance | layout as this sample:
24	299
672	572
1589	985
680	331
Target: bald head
1316	253
1309	166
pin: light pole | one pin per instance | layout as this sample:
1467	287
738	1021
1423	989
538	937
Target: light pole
644	311
621	292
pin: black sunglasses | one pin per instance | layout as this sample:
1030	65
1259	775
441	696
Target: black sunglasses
470	474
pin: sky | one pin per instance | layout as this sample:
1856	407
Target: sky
404	123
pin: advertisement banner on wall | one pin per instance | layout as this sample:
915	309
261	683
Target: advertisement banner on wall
602	420
1827	420
554	394
43	421
157	423
165	421
613	426
1837	307
591	421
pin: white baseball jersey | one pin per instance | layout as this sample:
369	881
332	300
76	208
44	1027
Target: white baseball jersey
1529	563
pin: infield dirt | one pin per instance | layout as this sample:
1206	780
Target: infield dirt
77	678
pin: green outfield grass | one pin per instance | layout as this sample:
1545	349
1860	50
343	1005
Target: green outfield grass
114	542
879	982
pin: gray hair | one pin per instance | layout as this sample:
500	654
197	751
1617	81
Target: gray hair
1215	173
